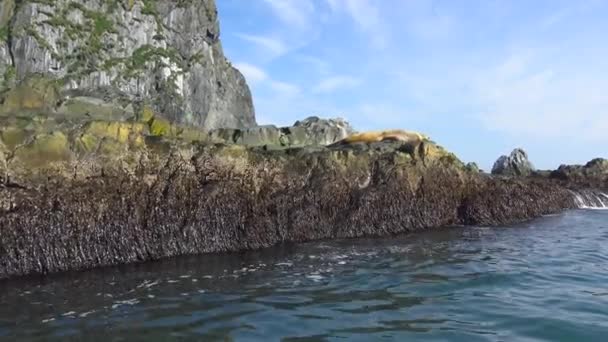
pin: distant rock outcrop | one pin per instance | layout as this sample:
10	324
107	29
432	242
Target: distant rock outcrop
594	174
81	57
323	131
310	131
515	164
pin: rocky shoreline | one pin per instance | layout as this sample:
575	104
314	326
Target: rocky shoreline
167	197
127	136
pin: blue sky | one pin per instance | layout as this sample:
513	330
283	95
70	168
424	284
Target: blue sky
479	77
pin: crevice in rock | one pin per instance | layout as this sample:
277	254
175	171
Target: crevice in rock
9	35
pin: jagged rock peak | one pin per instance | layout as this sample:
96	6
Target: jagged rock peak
515	164
164	53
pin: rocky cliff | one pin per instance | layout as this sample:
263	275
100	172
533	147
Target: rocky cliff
126	136
106	57
137	197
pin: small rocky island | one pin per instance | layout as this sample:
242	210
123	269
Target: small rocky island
126	136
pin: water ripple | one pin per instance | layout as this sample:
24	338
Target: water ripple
541	280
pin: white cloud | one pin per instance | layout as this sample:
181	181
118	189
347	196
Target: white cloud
293	12
270	45
334	83
321	66
284	88
252	73
255	76
519	98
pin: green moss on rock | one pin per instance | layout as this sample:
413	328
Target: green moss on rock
123	132
43	150
160	127
13	137
33	94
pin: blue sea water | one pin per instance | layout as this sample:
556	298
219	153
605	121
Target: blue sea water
544	280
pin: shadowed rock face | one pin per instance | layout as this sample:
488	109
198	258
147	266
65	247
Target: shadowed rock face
594	174
74	57
155	198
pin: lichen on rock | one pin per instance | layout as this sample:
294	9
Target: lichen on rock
164	52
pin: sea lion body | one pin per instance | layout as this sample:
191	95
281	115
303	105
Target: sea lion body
378	136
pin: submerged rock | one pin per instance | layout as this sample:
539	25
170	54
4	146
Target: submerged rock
515	164
101	56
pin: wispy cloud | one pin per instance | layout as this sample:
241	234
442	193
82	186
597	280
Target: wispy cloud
322	66
334	83
252	73
270	45
284	88
258	77
530	96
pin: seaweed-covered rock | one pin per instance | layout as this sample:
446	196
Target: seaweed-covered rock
594	174
515	164
101	56
107	193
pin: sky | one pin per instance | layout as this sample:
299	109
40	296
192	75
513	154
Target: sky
480	77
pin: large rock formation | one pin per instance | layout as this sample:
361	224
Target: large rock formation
103	160
310	131
515	164
100	57
106	193
594	174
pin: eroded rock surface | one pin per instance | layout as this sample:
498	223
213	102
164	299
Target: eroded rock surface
594	174
515	164
107	193
82	56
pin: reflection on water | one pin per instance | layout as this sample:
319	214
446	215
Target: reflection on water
543	280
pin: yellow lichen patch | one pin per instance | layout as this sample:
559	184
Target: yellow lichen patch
34	94
139	141
81	107
160	127
44	149
191	134
13	137
87	143
433	152
146	114
112	148
123	132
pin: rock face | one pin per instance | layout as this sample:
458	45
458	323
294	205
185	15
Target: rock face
594	174
322	131
516	164
113	53
312	131
106	193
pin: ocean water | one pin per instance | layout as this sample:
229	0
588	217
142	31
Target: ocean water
544	280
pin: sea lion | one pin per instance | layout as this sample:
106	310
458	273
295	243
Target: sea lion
388	135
